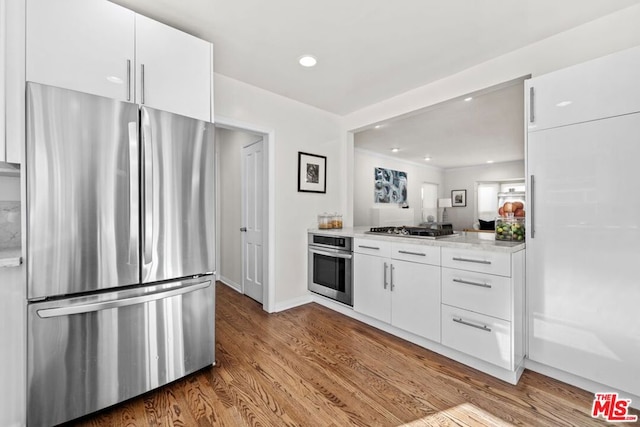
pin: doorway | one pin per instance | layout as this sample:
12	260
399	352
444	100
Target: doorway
242	211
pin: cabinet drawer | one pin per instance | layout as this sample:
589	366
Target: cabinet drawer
479	292
480	336
477	260
372	247
416	253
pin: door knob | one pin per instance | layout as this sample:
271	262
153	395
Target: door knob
243	229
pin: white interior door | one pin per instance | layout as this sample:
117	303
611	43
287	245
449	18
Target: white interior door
252	220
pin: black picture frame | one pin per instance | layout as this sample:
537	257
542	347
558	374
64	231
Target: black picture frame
458	198
312	173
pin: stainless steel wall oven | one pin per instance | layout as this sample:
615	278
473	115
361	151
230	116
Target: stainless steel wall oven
331	267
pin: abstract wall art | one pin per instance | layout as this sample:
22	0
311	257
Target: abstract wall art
390	186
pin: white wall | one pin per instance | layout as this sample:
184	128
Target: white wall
296	127
363	167
229	145
465	179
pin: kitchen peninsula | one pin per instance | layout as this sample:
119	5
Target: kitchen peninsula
461	296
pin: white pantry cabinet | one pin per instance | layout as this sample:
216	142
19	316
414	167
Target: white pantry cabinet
84	45
12	99
173	69
405	294
98	47
604	87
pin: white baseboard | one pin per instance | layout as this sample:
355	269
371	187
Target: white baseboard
579	382
230	283
294	302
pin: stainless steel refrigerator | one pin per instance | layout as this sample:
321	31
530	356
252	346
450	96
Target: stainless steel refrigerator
120	256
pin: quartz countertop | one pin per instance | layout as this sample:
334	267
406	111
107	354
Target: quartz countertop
462	239
10	257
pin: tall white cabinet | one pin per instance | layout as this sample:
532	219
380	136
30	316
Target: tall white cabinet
98	47
583	242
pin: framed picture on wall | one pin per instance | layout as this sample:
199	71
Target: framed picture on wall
458	198
312	173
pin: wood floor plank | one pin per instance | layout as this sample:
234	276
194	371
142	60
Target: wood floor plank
310	366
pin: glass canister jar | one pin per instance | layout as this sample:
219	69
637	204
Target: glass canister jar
325	221
336	221
510	229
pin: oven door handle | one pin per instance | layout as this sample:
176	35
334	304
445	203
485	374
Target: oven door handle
332	254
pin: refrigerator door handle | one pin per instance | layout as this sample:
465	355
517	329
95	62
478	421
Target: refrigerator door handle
118	303
147	190
133	192
532	198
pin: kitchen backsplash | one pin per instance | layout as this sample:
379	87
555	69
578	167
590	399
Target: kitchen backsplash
10	231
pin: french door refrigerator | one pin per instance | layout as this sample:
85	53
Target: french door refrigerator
120	256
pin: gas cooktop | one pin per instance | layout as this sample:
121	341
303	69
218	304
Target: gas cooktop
404	231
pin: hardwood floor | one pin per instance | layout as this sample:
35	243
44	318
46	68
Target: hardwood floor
310	366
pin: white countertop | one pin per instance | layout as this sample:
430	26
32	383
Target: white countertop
467	240
10	257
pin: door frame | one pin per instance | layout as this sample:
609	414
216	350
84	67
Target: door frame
268	258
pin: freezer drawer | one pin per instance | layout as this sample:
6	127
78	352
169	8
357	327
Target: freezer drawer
87	353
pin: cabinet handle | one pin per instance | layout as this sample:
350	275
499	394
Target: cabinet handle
477	261
473	325
412	253
532	199
482	285
386	267
532	116
128	80
142	83
392	269
369	247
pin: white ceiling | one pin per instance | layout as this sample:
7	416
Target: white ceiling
456	133
367	50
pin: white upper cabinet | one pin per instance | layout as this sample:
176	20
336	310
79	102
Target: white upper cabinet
83	45
604	87
98	47
173	70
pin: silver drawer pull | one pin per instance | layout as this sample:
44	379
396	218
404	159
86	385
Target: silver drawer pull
368	247
473	325
482	285
477	261
412	253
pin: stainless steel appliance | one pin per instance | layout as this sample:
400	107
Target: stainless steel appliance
421	232
331	267
120	251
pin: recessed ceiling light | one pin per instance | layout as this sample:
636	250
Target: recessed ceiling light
427	158
468	98
489	161
395	150
307	60
564	103
377	126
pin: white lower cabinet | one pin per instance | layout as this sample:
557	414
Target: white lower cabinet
467	300
484	337
402	293
415	298
483	305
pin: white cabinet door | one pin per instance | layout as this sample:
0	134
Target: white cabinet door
83	45
604	87
415	298
582	260
173	70
371	289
